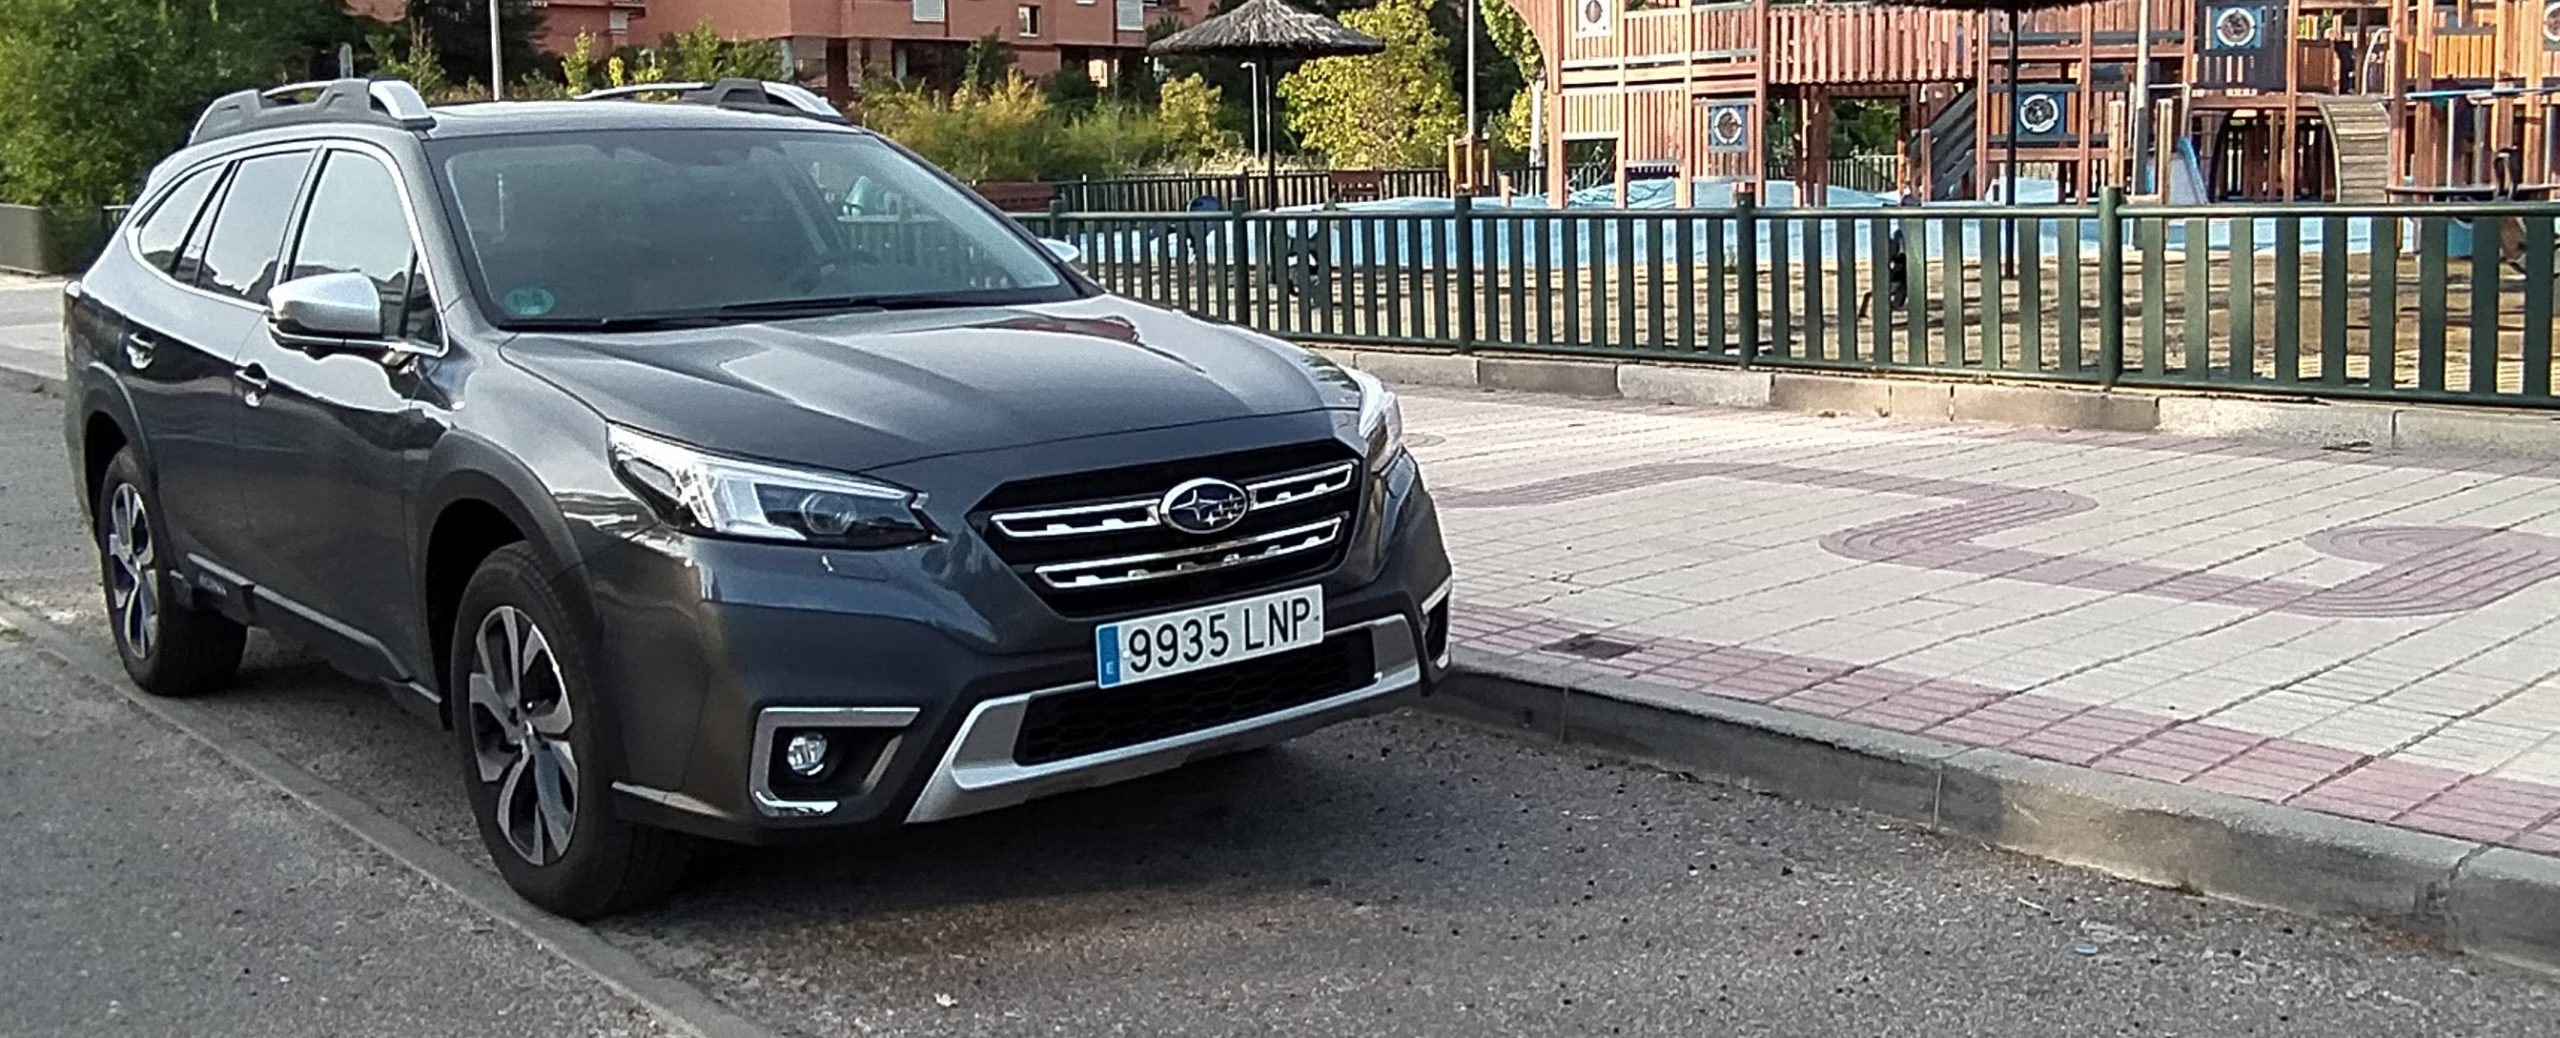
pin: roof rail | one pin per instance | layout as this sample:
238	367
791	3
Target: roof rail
746	95
388	102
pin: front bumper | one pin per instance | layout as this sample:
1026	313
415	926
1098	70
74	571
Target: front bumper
979	773
928	662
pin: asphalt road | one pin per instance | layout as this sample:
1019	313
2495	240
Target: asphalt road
1404	876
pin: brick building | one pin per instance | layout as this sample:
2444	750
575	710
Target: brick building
836	43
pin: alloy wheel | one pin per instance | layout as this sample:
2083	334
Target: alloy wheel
520	719
133	596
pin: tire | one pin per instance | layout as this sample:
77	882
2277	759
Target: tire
169	647
536	752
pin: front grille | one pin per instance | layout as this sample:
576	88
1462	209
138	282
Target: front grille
1065	725
1094	544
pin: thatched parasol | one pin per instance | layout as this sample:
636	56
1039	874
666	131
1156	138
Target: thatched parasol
1268	31
2013	8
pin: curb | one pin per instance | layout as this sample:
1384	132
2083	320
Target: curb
2293	421
2495	902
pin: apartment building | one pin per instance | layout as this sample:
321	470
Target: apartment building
837	43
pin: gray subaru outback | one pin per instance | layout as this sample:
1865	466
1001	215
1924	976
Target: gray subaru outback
716	469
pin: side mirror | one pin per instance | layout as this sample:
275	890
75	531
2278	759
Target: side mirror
326	310
1065	252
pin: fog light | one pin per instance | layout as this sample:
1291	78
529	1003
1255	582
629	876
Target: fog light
806	754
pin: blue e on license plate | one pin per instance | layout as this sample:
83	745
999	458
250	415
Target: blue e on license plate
1196	639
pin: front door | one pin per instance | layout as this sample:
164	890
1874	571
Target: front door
327	439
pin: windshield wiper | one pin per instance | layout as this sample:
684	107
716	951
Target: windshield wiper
847	304
625	323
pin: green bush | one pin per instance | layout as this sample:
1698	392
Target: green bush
1379	111
99	90
1013	131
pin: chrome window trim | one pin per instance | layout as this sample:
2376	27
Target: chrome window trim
130	235
319	147
771	720
1317	534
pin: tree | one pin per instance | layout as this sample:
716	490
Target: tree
987	63
1073	90
700	55
578	67
1187	110
1511	36
457	31
1380	110
99	90
1866	127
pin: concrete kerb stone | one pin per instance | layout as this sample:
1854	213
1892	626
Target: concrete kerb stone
1561	377
1419	369
15	381
2476	432
1920	401
2052	407
2491	901
2303	423
2231	847
2507	906
1831	394
1694	387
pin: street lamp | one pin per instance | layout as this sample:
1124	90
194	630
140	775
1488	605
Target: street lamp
1254	69
1471	69
497	59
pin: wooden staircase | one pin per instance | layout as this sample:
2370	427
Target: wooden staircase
1951	158
2360	145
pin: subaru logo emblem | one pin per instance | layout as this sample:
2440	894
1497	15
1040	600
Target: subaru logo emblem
1204	506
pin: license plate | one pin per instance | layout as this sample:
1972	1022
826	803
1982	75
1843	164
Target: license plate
1160	646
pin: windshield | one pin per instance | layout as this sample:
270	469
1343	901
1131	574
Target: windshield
609	227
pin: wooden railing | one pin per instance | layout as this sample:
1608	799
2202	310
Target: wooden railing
1844	43
2457	52
2110	16
1655	33
1727	27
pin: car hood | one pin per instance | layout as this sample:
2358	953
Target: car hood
865	390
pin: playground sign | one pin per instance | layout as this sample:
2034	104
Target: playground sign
1591	17
1729	127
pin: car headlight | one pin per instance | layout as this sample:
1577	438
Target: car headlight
1381	418
729	497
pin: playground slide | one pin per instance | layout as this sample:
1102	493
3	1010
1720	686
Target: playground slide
2186	177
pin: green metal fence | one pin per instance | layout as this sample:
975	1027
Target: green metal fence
2450	303
1177	192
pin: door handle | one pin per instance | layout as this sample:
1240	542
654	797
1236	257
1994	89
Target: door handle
139	348
253	383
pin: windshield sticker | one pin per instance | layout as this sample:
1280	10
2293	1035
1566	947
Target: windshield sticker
530	302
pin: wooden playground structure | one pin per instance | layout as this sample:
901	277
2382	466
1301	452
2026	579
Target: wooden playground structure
2355	101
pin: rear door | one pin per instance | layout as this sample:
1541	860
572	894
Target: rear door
179	330
228	271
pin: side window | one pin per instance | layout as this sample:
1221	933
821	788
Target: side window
248	230
161	233
356	225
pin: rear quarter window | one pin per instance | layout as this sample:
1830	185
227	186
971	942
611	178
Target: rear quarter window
163	232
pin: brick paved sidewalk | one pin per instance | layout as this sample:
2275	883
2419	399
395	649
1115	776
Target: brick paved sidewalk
2370	636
